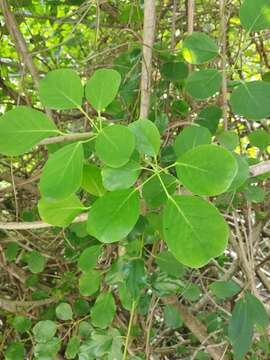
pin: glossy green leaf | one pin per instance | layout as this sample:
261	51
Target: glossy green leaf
209	117
259	138
62	173
102	88
64	312
255	15
224	289
199	48
89	257
147	136
112	217
190	137
15	351
61	89
250	100
36	262
168	263
59	212
207	170
172	317
73	347
121	178
44	331
174	71
135	277
89	282
257	311
203	83
22	128
204	233
92	180
115	145
102	313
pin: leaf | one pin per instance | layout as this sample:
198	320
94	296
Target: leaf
59	212
203	83
64	312
73	347
257	311
89	257
44	331
115	145
48	350
102	88
209	117
191	292
36	262
198	48
81	307
135	277
240	329
172	317
121	178
102	313
11	251
191	137
224	289
22	128
92	180
174	71
15	351
113	216
89	282
228	139
62	173
204	233
147	137
61	89
21	324
255	15
242	173
207	170
168	263
250	100
259	138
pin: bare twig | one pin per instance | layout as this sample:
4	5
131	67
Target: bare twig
223	39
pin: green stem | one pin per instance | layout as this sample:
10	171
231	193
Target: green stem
132	313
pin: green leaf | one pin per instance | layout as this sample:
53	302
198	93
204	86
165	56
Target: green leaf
203	83
125	297
22	128
115	145
36	262
198	48
260	138
204	233
191	292
48	350
191	137
257	311
113	216
15	351
59	212
242	173
240	329
102	313
209	117
255	15
44	331
168	263
81	307
21	324
64	312
228	139
62	173
255	194
102	88
120	178
174	71
73	347
89	257
89	282
92	180
11	251
135	277
224	289
147	137
207	170
172	317
61	89
250	100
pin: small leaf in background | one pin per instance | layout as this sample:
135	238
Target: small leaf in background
257	311
89	282
240	329
102	313
250	100
204	233
207	170
113	216
168	263
44	331
242	173
255	15
61	90
36	262
191	292
64	312
203	84
73	347
59	212
161	121
135	277
15	351
174	71
172	317
62	173
190	137
153	191
224	289
85	329
209	117
81	307
115	145
92	180
48	350
11	251
89	257
102	88
228	139
259	138
22	128
120	178
21	324
147	137
180	107
199	48
254	194
125	297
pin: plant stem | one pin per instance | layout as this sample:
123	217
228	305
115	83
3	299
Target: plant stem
132	313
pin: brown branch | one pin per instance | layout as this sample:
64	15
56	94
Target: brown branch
223	43
259	169
68	137
190	16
